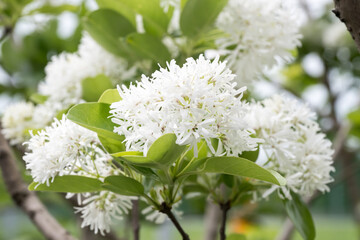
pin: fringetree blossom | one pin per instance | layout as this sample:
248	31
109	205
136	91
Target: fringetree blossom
258	32
65	72
196	101
16	121
293	144
65	148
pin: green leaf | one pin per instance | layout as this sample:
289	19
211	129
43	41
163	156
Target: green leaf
107	27
69	183
194	188
250	155
123	185
236	236
150	47
198	15
162	153
93	87
155	20
38	98
95	117
110	96
242	167
354	117
129	153
300	216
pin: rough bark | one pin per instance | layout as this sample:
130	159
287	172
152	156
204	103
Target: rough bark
26	200
348	11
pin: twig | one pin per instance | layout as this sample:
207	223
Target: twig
225	207
164	208
135	221
27	200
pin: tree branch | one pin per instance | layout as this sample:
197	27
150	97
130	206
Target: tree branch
27	200
225	207
135	219
212	220
348	11
167	210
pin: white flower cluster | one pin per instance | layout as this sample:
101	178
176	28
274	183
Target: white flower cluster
196	101
100	210
66	71
258	32
16	121
65	148
293	144
20	117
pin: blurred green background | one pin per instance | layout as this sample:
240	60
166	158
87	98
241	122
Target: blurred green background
325	74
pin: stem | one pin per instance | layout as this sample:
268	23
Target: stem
164	208
135	219
225	207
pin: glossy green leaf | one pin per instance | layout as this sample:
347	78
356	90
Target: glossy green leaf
95	116
69	183
155	20
198	15
162	153
129	153
110	96
150	47
300	216
123	185
250	155
242	167
93	87
107	27
52	9
38	98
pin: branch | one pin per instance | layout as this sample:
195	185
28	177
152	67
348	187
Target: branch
135	219
225	207
348	11
167	210
27	200
212	220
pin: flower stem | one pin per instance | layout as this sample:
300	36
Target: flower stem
225	207
167	210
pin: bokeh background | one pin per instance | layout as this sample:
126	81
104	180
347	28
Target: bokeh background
325	73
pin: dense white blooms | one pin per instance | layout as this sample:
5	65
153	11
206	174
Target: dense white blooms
196	101
257	31
66	71
65	148
293	143
16	121
100	210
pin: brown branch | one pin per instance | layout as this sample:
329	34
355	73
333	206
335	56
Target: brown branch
135	221
26	200
167	210
225	207
348	11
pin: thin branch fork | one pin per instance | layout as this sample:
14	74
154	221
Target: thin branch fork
225	207
26	200
164	208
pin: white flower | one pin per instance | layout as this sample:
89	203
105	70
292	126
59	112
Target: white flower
196	101
293	143
100	210
258	32
66	71
65	148
16	121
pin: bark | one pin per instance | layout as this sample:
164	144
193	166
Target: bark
348	11
212	220
135	221
26	200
